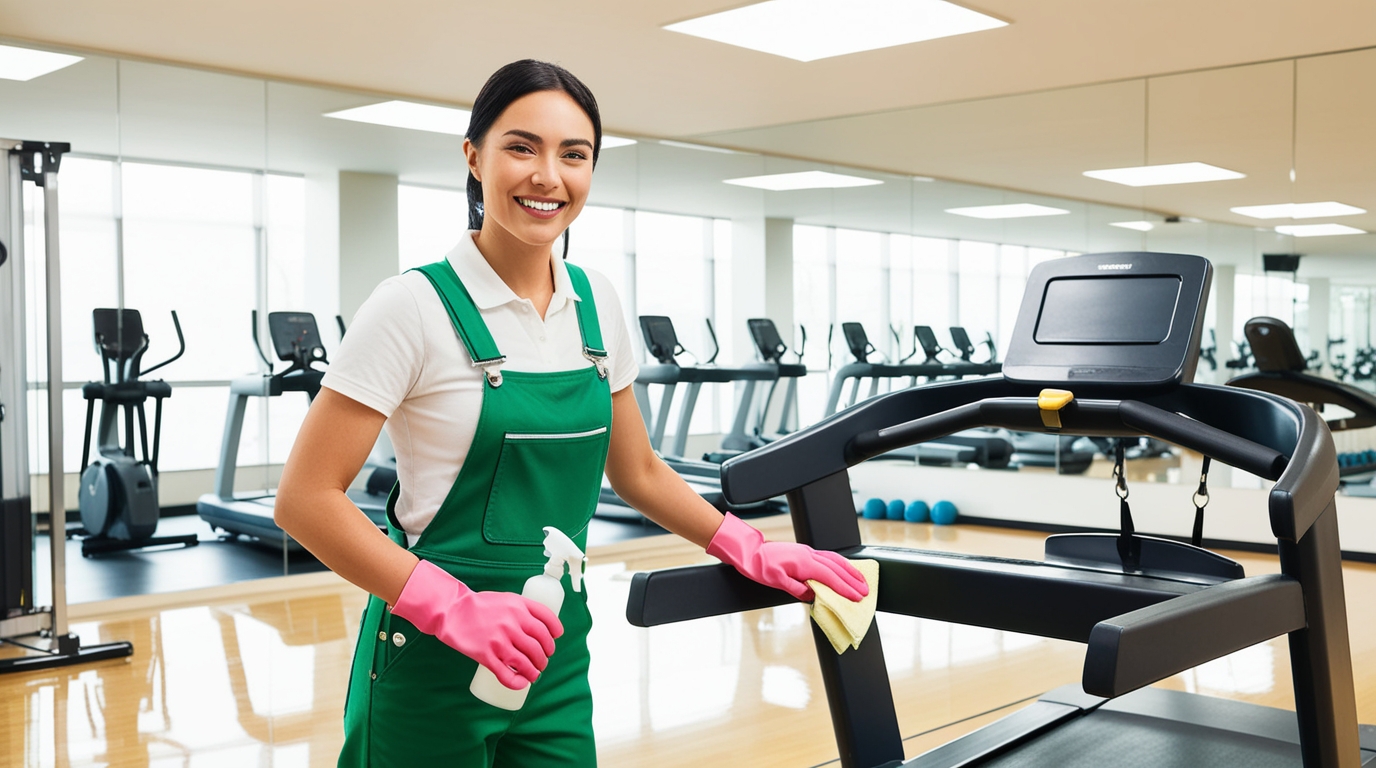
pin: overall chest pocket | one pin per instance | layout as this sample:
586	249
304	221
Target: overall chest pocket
545	479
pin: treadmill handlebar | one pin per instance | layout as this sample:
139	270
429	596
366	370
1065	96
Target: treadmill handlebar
1262	434
1079	417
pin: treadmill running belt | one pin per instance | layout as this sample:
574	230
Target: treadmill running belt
1127	740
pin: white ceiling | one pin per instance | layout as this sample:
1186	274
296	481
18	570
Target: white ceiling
1024	109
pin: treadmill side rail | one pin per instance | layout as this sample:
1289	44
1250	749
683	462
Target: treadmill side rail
1150	644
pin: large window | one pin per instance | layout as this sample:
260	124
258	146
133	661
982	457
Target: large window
210	244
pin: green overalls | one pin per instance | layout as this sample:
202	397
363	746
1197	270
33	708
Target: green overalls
536	460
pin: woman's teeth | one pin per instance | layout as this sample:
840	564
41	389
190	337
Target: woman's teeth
537	205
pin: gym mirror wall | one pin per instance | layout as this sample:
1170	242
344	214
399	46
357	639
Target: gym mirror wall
217	195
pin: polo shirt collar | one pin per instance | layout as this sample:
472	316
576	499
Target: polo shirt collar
487	288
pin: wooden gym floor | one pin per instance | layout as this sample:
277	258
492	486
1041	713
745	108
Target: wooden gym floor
254	674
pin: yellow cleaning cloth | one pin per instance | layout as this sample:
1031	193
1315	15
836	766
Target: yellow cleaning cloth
842	621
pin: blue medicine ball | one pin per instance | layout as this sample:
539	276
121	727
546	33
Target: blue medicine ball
874	509
917	512
896	509
944	513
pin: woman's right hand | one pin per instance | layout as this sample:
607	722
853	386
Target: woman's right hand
511	635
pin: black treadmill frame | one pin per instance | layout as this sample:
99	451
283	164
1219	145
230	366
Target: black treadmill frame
1133	623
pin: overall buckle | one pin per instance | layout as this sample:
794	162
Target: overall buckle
491	369
599	361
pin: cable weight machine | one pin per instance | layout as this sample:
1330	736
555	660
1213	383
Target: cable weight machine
36	162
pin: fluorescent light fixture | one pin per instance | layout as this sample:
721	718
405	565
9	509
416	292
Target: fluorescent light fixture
783	182
612	142
1298	210
807	30
1318	230
1011	211
408	114
25	64
1140	226
1173	173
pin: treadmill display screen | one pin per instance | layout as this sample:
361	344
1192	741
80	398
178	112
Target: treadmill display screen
1107	310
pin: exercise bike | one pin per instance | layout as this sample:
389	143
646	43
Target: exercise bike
119	492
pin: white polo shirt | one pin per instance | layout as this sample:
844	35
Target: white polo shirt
402	358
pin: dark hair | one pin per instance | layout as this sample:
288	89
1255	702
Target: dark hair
517	79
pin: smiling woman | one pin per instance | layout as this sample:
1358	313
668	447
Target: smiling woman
497	372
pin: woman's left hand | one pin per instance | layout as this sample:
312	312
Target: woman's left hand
784	565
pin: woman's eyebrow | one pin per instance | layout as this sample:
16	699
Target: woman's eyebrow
535	139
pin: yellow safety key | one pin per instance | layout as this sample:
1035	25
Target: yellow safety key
1051	401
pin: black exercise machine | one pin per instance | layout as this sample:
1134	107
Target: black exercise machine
296	340
661	341
966	349
746	432
1121	332
987	449
1283	370
118	499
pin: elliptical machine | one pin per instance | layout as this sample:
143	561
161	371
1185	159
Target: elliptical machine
119	492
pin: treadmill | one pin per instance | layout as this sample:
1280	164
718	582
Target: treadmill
987	449
296	340
1283	370
770	349
961	339
924	336
704	477
1124	340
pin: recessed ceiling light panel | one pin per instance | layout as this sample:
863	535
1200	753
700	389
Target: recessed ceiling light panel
1298	210
408	114
1011	211
1140	226
784	182
1318	230
25	64
807	30
612	142
1173	173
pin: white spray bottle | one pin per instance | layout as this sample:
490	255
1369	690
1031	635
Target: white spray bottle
547	590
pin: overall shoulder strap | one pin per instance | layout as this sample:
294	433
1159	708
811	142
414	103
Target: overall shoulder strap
587	312
593	349
463	313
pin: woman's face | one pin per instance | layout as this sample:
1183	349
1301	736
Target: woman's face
535	166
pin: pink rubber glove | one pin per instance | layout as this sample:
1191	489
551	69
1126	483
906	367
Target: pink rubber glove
507	633
783	564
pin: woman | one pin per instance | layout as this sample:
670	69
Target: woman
490	372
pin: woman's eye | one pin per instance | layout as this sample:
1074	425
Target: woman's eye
521	148
575	156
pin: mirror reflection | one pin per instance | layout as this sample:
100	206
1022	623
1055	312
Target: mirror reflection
263	213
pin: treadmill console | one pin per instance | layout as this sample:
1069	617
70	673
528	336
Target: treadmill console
660	340
1274	346
295	337
961	339
767	342
857	340
926	338
1120	319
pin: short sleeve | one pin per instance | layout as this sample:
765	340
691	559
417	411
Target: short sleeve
383	353
620	350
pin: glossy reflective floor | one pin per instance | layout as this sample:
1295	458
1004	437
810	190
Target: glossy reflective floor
260	681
